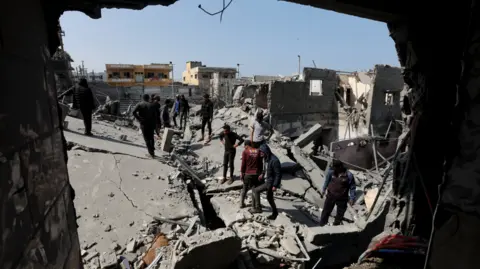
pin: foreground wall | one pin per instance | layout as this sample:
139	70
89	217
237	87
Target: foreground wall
38	222
293	110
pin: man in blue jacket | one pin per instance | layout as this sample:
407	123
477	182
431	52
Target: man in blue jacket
339	185
273	177
176	110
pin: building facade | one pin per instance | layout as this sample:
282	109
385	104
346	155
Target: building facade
128	75
200	75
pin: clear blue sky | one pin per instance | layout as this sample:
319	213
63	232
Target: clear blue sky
265	36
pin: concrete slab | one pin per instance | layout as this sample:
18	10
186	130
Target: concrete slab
307	137
326	234
167	136
214	186
295	185
108	194
314	172
222	243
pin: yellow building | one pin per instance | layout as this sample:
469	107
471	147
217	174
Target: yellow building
199	75
127	75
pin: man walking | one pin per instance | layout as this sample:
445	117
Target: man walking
273	177
339	184
251	169
176	110
166	115
157	106
207	117
83	100
258	129
229	140
184	109
146	115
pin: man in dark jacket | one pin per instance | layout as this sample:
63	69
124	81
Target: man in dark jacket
184	109
273	178
251	169
146	114
156	104
339	184
207	116
83	100
166	114
229	140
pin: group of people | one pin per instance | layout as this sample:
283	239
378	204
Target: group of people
152	117
260	169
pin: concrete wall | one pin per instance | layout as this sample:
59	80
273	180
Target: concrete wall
293	110
358	88
222	88
38	221
385	78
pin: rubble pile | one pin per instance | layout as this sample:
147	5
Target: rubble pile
184	240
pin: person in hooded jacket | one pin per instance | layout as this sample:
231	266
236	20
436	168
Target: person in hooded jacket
83	100
272	176
340	190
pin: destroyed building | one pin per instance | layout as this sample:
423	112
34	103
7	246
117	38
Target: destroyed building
439	61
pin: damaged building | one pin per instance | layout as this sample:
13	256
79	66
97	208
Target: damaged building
39	224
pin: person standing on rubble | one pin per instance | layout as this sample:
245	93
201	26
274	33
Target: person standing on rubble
145	113
207	116
251	169
229	140
258	128
176	110
166	114
83	100
157	106
272	176
184	109
339	185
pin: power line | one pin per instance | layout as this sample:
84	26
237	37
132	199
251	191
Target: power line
218	12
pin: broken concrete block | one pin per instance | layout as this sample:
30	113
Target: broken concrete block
223	242
315	174
108	260
326	234
290	245
131	247
90	256
308	136
167	140
370	197
265	259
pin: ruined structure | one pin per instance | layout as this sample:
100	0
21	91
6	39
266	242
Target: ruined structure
439	60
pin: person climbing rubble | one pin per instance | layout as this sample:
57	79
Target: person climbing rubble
229	140
272	176
83	100
258	128
339	185
146	115
251	169
176	110
156	105
207	117
184	109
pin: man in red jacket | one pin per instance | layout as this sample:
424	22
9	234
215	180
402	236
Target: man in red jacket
251	169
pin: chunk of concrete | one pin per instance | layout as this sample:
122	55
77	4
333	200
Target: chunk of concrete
167	139
290	245
327	234
223	243
370	197
316	175
308	136
108	260
131	247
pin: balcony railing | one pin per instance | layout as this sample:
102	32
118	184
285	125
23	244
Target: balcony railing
120	79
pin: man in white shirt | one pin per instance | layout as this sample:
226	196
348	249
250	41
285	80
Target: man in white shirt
259	127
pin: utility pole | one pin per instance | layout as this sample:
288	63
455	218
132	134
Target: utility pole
238	70
299	64
173	89
83	69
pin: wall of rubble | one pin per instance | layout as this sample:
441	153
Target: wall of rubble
38	224
386	78
293	110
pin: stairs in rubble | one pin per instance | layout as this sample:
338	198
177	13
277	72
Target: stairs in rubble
124	103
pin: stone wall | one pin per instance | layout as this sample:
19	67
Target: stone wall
38	220
385	78
293	110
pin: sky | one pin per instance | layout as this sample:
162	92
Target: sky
265	37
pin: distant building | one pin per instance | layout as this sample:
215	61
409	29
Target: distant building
128	75
200	75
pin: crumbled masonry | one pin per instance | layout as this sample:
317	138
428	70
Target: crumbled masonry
126	200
